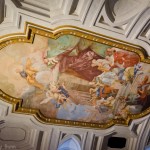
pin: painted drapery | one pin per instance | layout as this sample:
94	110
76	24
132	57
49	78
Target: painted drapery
76	79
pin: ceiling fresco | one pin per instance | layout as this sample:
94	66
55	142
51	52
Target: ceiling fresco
72	78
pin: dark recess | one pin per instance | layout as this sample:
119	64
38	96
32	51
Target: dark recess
116	142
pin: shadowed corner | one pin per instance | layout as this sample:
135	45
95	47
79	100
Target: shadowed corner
2	122
2	10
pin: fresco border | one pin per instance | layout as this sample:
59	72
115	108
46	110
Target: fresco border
28	37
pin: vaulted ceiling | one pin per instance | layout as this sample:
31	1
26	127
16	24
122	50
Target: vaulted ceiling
127	21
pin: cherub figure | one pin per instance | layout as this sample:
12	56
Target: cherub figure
29	74
50	61
102	64
56	93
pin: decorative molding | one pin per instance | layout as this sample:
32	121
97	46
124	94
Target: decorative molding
81	13
2	10
11	18
134	30
28	36
50	132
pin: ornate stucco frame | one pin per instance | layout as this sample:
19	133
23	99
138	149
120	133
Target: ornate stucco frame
28	37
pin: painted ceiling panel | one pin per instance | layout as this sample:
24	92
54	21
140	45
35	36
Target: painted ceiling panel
76	79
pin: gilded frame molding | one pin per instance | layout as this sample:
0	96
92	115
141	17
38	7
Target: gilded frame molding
28	37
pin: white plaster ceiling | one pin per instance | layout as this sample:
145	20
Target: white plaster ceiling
126	20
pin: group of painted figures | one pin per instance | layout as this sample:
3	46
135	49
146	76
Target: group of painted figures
122	68
119	83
